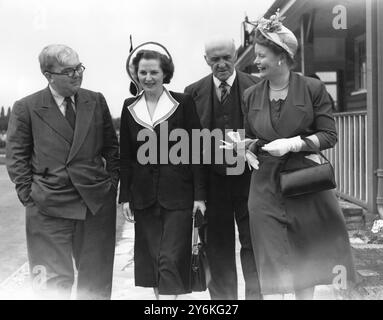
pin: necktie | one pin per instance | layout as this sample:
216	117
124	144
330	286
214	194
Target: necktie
224	91
69	112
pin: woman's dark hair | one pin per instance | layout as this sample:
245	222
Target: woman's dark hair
277	50
166	64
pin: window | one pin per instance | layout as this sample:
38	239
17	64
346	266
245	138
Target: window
330	79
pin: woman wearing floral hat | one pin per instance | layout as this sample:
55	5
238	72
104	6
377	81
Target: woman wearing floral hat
299	242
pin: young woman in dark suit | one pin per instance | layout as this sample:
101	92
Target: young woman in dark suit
157	194
298	242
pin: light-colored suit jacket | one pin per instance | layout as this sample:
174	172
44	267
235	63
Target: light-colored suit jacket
61	171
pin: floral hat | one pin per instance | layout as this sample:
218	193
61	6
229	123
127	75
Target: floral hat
273	30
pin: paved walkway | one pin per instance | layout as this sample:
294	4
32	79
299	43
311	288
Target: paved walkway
17	286
123	283
13	249
368	259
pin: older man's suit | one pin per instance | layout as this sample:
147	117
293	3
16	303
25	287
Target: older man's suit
67	180
227	195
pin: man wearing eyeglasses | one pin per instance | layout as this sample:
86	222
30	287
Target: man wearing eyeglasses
63	156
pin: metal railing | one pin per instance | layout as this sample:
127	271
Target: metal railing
349	157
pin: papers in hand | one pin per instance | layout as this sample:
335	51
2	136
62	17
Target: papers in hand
239	145
252	160
235	137
226	145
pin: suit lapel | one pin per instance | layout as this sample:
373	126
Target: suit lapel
49	112
294	108
259	113
265	119
167	105
243	84
203	96
84	115
298	86
204	101
140	113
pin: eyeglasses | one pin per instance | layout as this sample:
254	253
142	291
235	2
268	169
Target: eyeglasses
70	72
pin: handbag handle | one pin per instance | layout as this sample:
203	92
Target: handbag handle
195	247
313	146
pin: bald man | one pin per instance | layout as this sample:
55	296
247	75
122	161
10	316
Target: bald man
218	98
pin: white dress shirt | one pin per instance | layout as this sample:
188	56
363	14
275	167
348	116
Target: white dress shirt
229	81
61	102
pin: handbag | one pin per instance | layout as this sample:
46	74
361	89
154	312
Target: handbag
316	178
200	271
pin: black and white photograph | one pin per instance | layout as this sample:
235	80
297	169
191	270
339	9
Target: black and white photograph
200	152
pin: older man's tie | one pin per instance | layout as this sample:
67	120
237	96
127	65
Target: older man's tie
224	92
70	115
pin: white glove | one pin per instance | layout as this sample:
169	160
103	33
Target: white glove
280	147
199	205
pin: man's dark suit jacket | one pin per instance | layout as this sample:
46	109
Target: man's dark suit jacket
54	168
202	92
171	186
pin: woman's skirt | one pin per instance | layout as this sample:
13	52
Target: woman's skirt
162	250
298	242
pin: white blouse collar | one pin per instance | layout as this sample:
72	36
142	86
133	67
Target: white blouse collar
165	108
